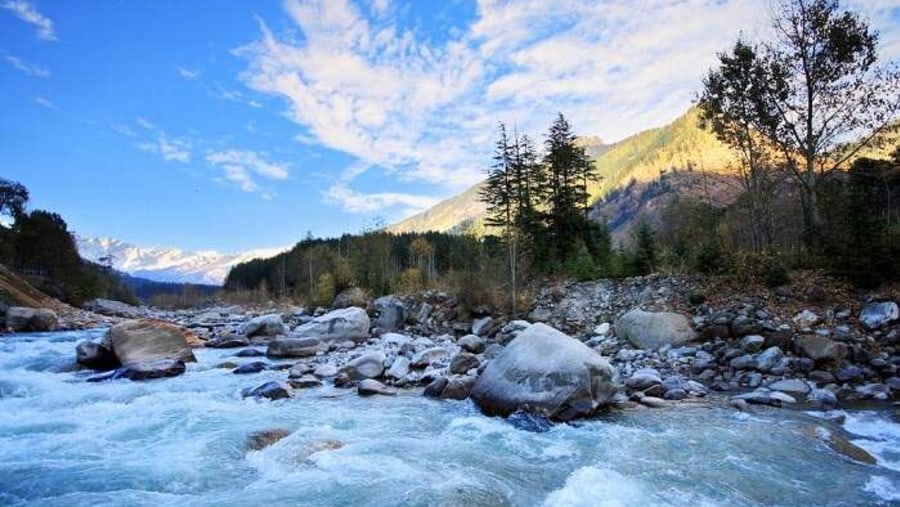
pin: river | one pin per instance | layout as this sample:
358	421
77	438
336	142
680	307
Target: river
182	441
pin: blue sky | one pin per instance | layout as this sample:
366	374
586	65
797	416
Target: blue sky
233	125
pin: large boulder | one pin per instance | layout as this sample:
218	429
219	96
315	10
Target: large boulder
875	315
113	308
133	341
24	319
391	314
150	369
369	365
264	325
338	325
95	356
293	347
820	349
354	296
652	330
548	373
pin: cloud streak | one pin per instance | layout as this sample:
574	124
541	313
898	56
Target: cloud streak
26	67
240	166
27	13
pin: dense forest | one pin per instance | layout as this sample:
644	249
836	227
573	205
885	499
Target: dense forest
39	246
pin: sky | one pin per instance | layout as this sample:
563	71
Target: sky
244	124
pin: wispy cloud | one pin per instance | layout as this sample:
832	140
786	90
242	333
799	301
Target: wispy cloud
423	108
29	14
169	148
357	202
41	101
123	129
187	73
26	67
145	123
239	167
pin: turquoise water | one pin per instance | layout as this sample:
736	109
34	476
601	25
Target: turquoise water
182	441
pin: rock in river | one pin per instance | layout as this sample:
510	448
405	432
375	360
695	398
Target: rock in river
650	331
140	340
264	325
293	347
23	319
339	325
548	373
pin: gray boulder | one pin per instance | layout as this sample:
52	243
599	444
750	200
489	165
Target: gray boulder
643	379
338	325
391	314
399	368
463	362
429	356
270	390
264	325
293	347
369	365
144	370
472	343
95	356
548	373
821	349
768	359
354	296
650	330
24	319
752	343
456	387
480	327
368	387
875	315
790	386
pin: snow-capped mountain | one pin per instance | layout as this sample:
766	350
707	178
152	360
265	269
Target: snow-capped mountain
165	264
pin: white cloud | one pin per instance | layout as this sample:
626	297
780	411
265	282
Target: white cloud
239	166
27	13
170	149
122	129
27	68
396	100
41	101
357	202
187	73
145	123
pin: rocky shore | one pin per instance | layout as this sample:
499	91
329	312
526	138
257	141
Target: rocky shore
654	341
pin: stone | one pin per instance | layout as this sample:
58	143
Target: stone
304	382
150	369
319	446
270	390
369	365
848	373
227	365
391	314
822	377
336	326
472	343
458	387
515	327
822	398
769	359
839	444
254	367
771	398
354	296
399	368
806	319
141	340
300	369
294	347
22	319
436	387
820	349
95	356
744	362
250	353
429	356
113	308
264	325
481	326
548	373
603	329
259	440
874	392
752	343
643	379
650	331
675	394
228	342
875	315
742	326
790	386
368	387
653	402
463	362
325	370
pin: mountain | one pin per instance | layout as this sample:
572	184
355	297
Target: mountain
163	264
640	159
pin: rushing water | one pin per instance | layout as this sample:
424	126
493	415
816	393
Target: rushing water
182	441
